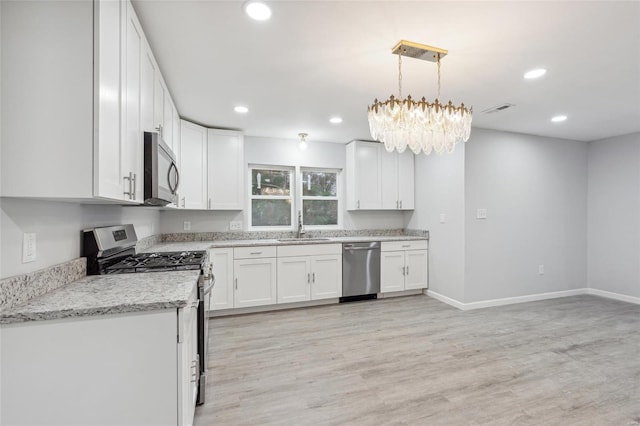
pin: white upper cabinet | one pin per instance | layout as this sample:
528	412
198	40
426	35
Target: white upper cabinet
363	176
132	136
193	167
89	93
377	179
225	170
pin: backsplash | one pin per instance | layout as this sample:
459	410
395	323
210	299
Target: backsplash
20	288
262	235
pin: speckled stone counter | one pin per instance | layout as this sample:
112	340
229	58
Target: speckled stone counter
188	242
108	294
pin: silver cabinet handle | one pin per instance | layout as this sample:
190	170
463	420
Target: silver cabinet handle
184	202
407	270
255	252
209	204
397	204
130	192
400	203
407	245
134	186
236	283
308	277
403	269
358	204
313	277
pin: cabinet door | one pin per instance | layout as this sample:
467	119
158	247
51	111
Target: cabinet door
226	169
131	156
187	365
389	180
222	293
416	269
363	167
108	174
158	101
294	279
149	71
406	180
255	282
326	277
193	166
391	271
167	126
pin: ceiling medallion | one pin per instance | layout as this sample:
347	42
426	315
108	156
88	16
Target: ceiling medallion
420	125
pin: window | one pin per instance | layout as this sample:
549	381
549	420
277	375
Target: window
275	198
319	197
271	197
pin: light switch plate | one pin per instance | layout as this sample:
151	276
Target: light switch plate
235	225
442	218
481	214
541	269
28	248
186	226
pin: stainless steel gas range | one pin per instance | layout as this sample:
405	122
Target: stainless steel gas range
111	250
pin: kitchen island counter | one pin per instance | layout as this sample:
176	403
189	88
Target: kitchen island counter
96	295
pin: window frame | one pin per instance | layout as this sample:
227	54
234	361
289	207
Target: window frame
291	197
301	198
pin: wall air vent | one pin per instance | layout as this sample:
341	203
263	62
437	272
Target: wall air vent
498	108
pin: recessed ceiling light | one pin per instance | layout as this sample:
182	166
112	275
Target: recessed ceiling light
241	109
536	73
335	120
559	118
257	10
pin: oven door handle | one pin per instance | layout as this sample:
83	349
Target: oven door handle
208	288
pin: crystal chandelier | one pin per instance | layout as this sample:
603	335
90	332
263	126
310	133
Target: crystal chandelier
420	125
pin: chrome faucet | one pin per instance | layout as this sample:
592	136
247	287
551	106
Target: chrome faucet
300	228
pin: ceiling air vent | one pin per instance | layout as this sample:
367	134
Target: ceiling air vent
497	108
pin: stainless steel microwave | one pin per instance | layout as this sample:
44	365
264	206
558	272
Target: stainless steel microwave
161	176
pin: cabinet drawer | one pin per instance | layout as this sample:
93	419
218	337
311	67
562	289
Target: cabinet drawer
254	252
404	245
309	250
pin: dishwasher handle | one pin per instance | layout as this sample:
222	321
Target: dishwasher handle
351	248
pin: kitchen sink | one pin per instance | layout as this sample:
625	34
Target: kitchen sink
302	239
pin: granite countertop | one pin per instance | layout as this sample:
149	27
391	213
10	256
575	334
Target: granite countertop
108	294
204	245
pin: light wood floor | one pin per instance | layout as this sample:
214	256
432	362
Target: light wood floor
414	360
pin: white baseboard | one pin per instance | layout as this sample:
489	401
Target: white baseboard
531	298
445	299
616	296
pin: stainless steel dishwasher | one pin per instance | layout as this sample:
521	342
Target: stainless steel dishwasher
360	271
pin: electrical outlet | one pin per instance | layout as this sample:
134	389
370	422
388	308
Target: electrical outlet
186	226
481	214
442	218
541	269
235	225
28	248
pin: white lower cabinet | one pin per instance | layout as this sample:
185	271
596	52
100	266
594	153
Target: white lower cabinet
117	369
245	276
222	293
403	265
309	272
254	282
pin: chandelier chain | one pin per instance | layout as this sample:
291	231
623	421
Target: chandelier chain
400	74
438	98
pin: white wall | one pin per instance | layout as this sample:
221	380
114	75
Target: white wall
57	226
271	151
440	190
535	193
614	215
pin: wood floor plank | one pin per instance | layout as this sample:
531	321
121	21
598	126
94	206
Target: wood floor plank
416	361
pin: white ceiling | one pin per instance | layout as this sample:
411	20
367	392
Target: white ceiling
316	59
